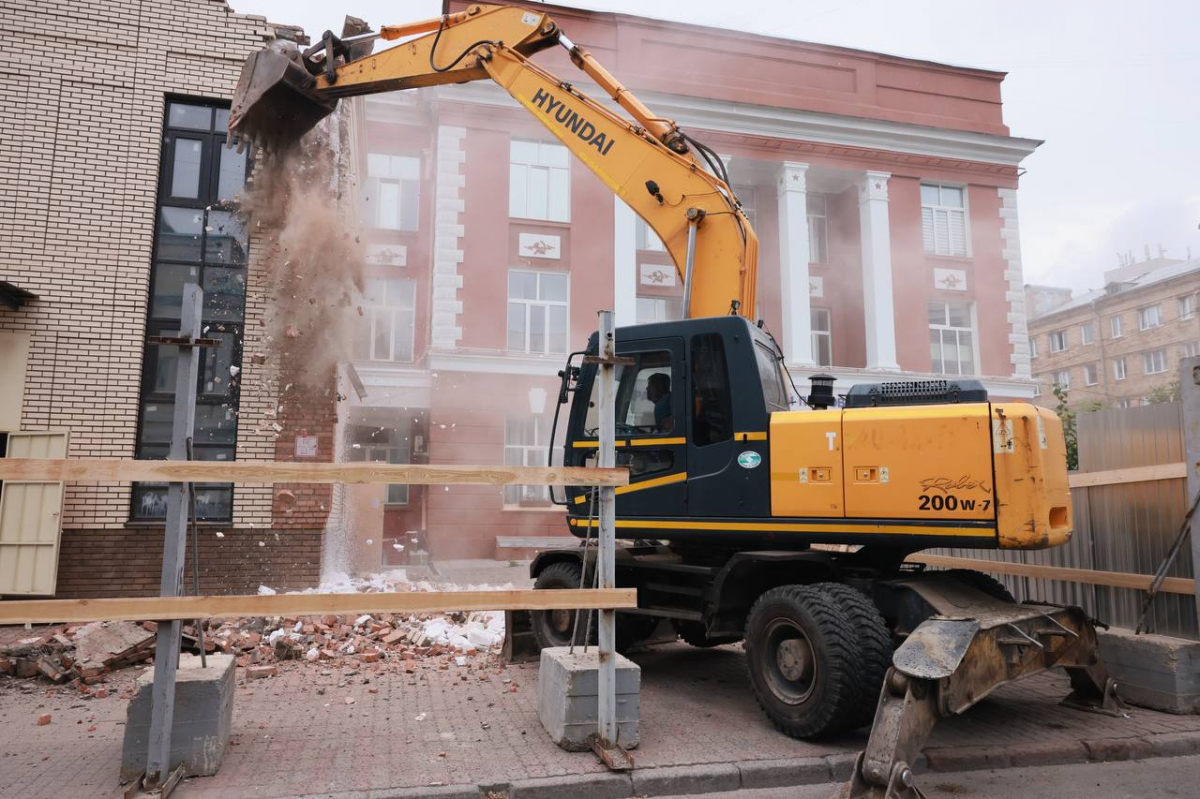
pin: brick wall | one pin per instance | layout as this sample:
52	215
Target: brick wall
80	141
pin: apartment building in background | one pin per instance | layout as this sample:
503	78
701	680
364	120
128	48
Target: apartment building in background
1119	344
883	191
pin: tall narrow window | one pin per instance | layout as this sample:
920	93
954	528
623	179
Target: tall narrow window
539	181
818	228
712	415
1089	374
1033	347
1116	326
1087	333
822	337
392	193
951	338
1187	306
537	312
1119	369
388	324
199	238
944	219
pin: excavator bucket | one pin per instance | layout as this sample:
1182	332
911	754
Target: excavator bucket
276	101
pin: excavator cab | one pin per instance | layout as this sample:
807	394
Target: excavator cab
692	410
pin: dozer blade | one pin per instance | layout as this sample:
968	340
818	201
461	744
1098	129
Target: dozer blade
952	660
276	101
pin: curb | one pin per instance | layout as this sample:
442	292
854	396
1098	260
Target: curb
721	777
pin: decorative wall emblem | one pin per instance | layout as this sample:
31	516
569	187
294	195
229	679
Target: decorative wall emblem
387	254
950	279
658	275
816	286
540	245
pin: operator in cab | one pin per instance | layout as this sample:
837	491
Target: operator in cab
658	391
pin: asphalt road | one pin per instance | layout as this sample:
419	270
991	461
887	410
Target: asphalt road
1139	779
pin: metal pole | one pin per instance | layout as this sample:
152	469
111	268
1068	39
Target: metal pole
166	651
1189	394
607	565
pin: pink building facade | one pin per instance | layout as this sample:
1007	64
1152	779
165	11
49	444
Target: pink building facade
883	191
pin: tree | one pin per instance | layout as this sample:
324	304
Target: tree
1167	392
1067	417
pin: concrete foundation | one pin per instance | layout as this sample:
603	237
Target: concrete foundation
203	718
1154	671
569	686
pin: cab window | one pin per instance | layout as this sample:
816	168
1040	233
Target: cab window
771	377
645	401
711	414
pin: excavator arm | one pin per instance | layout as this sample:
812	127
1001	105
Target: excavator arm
647	161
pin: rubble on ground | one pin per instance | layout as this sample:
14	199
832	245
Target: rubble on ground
85	653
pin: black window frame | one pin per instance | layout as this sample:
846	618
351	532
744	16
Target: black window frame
217	324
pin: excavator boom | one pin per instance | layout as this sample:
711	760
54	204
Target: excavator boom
646	160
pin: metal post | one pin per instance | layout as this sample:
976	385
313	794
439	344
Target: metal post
606	564
166	652
1189	394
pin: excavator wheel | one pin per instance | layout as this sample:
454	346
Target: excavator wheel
555	627
982	582
694	633
805	661
875	645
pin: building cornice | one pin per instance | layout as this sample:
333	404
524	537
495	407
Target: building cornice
788	124
498	364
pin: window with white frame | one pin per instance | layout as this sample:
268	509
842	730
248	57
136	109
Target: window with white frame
647	239
1033	348
944	219
1187	306
1154	362
658	309
951	338
822	336
388	323
537	312
1087	333
1116	326
1149	317
818	228
1190	350
526	442
1119	369
1058	341
1089	374
1125	402
539	181
1037	387
393	191
1063	378
384	444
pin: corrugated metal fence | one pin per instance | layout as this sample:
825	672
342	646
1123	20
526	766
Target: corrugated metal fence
1127	527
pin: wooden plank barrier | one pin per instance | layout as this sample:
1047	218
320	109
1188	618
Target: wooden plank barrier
113	470
51	611
1133	474
1139	582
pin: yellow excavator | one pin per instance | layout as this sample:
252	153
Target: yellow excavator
734	498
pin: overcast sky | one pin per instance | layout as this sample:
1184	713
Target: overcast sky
1112	87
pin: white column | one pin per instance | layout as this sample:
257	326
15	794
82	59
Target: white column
877	270
625	269
793	263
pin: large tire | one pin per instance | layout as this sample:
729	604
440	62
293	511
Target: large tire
694	633
804	663
555	627
982	582
874	644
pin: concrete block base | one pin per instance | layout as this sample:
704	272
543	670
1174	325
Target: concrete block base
203	718
1154	671
569	687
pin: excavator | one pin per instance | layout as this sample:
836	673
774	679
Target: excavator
745	519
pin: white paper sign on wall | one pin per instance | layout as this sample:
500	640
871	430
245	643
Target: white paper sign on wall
950	279
539	245
387	254
657	275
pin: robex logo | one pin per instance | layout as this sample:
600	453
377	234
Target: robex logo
566	117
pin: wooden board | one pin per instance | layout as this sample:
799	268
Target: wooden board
1138	582
113	470
1134	474
51	611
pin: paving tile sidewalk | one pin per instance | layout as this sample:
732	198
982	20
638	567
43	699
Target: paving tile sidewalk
296	735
